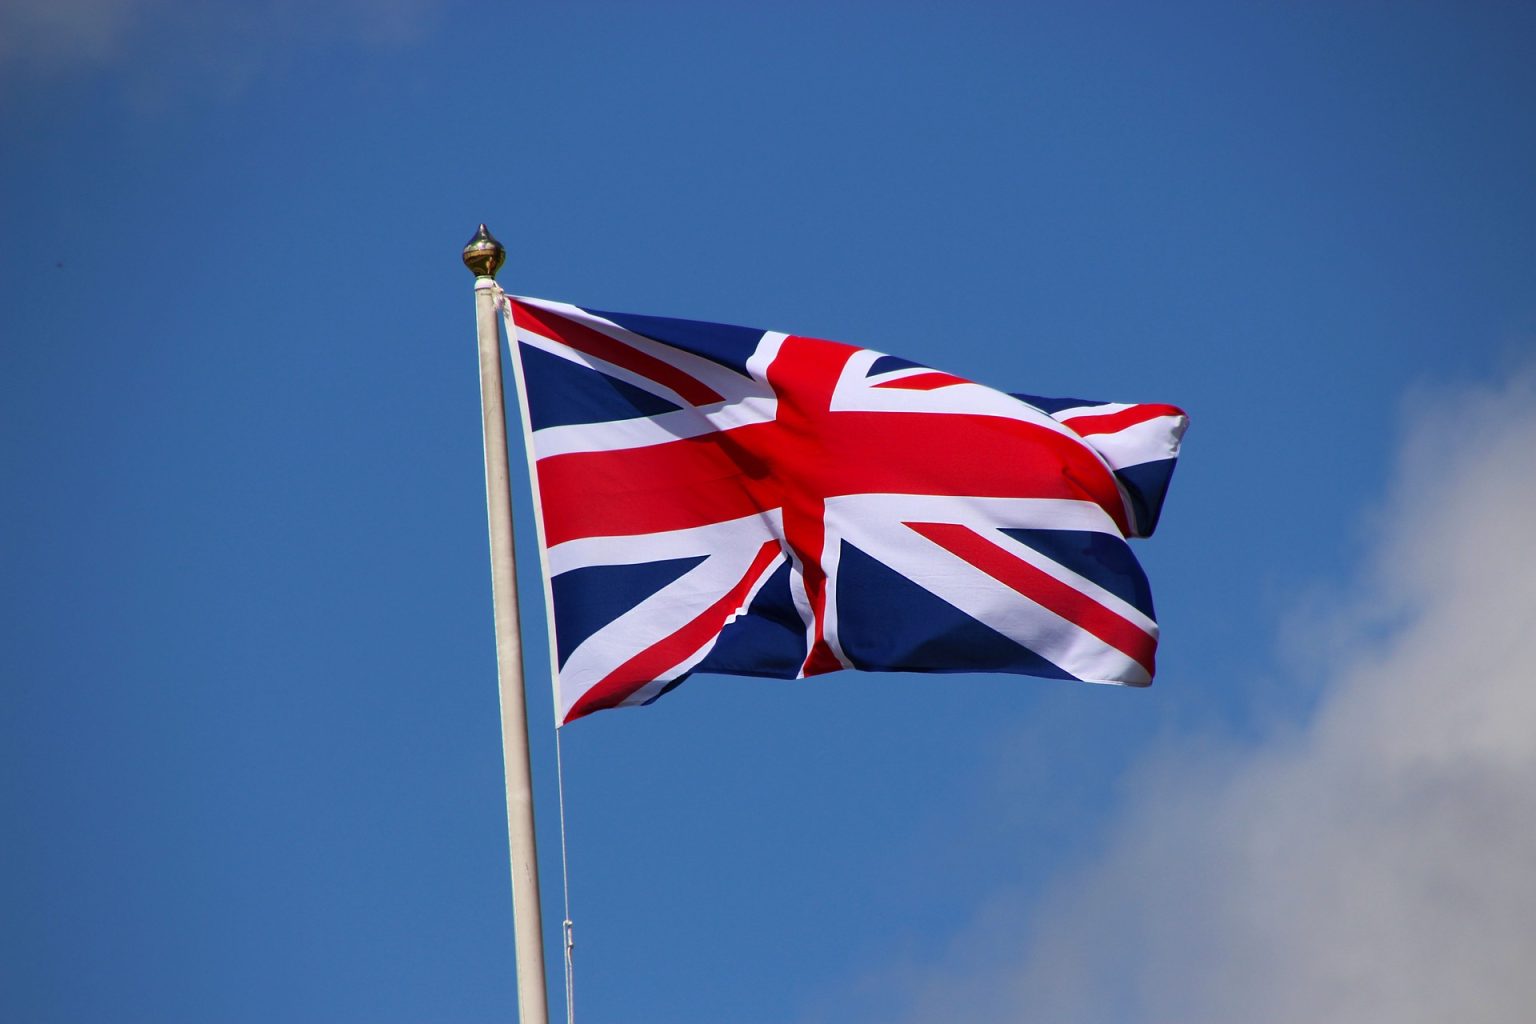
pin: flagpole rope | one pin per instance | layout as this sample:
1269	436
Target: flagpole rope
566	935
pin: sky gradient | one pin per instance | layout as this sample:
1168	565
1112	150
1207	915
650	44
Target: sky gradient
249	761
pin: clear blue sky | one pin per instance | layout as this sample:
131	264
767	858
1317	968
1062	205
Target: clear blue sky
249	759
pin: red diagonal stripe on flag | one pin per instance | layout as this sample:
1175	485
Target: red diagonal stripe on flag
1044	589
930	381
653	662
594	343
1109	422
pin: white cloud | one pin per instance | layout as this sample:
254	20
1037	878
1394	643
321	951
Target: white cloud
68	37
58	34
1377	864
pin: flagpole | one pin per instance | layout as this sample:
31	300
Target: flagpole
484	257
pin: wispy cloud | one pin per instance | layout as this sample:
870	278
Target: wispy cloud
42	39
57	35
1376	864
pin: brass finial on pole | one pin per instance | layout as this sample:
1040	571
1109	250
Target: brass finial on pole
484	256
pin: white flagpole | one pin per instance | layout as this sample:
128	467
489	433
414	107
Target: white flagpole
484	256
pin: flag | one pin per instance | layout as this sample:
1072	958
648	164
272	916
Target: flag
722	499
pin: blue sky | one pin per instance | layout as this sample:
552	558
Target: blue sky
251	768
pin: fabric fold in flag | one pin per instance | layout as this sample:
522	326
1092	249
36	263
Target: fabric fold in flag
721	499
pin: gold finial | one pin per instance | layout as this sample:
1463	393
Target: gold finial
484	255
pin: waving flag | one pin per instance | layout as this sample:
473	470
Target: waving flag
721	499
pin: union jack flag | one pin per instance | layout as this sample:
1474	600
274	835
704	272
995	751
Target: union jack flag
721	499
